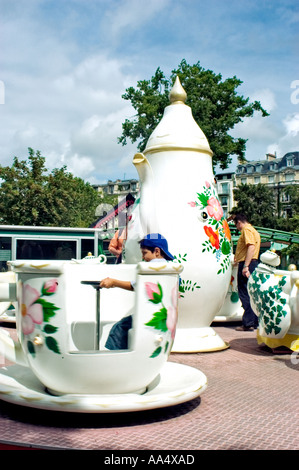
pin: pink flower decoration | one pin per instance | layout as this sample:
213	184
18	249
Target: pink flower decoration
214	208
31	313
172	312
50	286
151	289
208	184
171	320
192	204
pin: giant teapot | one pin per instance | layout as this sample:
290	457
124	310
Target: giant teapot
178	198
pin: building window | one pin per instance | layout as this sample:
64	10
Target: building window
243	180
241	169
46	249
287	213
289	176
285	197
290	162
257	180
224	200
270	179
224	188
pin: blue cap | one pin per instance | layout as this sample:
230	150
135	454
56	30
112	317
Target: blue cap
154	240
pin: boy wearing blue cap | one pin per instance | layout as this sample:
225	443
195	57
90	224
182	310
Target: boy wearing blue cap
154	248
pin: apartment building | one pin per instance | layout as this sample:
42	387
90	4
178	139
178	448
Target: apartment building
274	172
119	187
226	182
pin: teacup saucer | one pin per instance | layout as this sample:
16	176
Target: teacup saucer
177	383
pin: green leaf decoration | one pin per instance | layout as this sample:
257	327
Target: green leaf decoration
50	329
157	352
159	320
45	292
225	247
31	348
203	199
52	344
234	297
157	298
46	303
49	309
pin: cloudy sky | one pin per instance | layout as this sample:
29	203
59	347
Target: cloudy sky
64	65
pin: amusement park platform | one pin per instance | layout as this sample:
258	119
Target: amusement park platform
250	403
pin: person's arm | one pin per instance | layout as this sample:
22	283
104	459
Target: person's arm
248	259
115	245
108	283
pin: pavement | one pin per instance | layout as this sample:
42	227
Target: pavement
250	403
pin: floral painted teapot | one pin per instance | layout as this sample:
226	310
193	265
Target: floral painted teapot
178	198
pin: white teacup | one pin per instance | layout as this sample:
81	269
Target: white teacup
62	324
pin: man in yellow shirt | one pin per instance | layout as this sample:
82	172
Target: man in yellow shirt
247	254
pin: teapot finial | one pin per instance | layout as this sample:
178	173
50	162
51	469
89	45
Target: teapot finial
177	93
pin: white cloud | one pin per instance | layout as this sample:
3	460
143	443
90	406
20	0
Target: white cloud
289	141
267	99
80	165
132	15
291	123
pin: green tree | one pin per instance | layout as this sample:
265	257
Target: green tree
215	104
30	195
257	202
290	194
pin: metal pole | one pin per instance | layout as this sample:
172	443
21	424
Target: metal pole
96	286
97	326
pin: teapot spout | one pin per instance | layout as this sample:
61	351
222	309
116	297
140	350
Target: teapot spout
148	216
143	167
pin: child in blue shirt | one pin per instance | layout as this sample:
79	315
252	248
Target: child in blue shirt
154	248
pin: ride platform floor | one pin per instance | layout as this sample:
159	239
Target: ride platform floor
251	403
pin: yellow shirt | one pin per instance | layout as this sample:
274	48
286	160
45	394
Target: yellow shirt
249	236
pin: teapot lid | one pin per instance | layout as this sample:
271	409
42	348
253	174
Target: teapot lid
177	128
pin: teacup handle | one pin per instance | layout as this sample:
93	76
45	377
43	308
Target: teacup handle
11	349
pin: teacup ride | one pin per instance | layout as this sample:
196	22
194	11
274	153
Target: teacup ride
63	319
274	297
